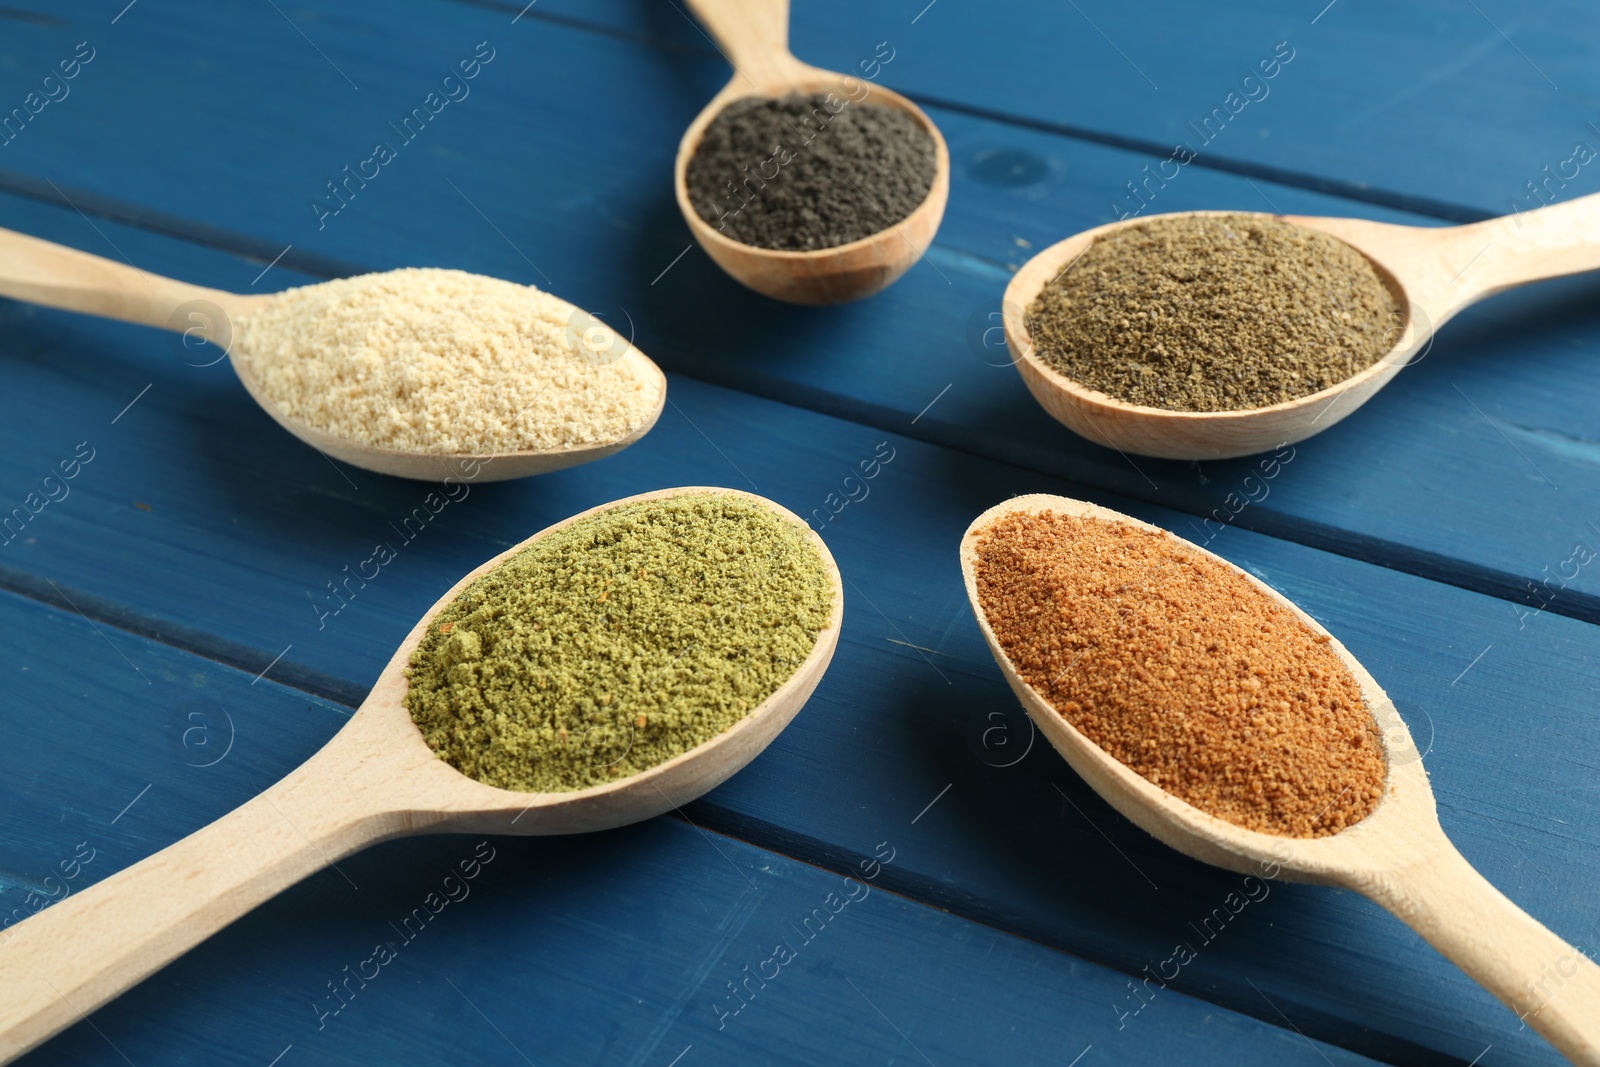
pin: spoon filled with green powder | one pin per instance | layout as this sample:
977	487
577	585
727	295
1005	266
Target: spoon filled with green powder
420	373
621	641
1206	335
807	185
610	668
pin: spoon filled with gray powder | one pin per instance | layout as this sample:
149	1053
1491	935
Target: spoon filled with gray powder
1212	312
835	178
807	185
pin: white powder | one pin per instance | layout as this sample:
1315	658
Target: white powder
442	361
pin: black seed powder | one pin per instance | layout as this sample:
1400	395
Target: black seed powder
1215	313
809	171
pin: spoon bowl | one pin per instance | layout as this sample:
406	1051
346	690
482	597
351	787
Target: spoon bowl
1433	273
1398	856
754	35
375	780
437	466
49	274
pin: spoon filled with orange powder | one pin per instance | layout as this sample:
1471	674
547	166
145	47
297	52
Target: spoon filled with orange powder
1220	718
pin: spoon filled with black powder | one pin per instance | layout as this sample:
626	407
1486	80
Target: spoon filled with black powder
807	185
847	176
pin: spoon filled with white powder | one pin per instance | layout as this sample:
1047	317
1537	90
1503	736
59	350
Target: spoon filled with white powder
420	373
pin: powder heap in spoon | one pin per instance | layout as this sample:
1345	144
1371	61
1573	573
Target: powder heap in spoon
618	642
797	174
442	361
1182	669
1214	313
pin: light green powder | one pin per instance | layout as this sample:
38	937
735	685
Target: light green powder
615	644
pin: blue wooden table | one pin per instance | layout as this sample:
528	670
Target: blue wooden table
164	662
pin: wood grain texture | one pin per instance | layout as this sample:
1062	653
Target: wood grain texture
615	947
901	723
42	272
1436	444
234	537
1437	106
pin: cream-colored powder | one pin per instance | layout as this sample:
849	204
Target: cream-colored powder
442	361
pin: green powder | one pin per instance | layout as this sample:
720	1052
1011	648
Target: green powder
1214	313
619	642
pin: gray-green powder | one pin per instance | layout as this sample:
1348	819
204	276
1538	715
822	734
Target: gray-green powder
1214	313
619	642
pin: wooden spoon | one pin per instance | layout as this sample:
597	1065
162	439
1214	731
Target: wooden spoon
754	36
1398	856
55	276
375	780
1434	271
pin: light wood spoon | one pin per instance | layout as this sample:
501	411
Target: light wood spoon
1398	856
754	36
40	272
1434	271
375	780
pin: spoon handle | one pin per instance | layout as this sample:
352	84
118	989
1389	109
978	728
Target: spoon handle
61	964
1552	986
754	35
1531	246
56	276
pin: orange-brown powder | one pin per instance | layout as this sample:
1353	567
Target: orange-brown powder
1182	669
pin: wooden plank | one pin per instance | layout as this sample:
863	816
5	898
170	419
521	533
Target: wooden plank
243	526
169	457
1439	107
1459	435
614	948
